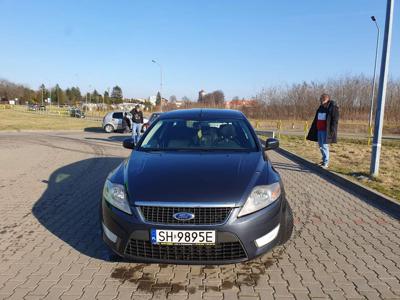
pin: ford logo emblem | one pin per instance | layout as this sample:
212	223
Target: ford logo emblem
183	216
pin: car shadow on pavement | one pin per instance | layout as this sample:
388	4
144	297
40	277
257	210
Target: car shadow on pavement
94	129
69	208
114	138
290	167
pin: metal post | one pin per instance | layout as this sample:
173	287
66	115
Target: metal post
380	109
374	79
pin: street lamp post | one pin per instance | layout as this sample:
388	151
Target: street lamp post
383	78
161	77
374	79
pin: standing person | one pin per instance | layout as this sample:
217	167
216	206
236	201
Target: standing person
137	122
324	127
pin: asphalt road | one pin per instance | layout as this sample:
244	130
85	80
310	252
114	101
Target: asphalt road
50	245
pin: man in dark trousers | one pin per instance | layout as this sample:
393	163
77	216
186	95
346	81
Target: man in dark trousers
324	127
137	122
126	123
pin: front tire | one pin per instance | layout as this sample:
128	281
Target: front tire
108	128
287	225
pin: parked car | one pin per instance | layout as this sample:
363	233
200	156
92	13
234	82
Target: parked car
33	107
76	113
112	121
198	188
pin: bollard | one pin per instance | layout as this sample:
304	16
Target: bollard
305	130
279	126
370	135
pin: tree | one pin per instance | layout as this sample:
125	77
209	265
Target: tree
116	93
185	99
43	93
106	97
214	98
95	97
58	95
172	99
73	95
158	99
219	97
147	105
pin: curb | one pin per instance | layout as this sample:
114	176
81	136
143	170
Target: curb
373	198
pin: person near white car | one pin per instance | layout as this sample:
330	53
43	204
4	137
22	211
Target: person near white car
137	122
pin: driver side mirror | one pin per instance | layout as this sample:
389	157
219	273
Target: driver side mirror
271	143
128	143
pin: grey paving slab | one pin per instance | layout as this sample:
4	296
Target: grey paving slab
50	245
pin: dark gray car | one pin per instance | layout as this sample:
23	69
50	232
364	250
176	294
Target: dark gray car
197	188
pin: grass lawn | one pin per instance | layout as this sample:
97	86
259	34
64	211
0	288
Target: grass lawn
351	158
19	120
345	126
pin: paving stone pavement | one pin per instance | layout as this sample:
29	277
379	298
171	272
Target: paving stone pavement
50	244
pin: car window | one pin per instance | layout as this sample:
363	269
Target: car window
117	115
181	134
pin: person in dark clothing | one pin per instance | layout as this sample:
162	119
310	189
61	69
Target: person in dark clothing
324	127
137	122
126	123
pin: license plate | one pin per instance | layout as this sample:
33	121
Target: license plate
188	237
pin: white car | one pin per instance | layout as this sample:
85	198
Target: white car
112	121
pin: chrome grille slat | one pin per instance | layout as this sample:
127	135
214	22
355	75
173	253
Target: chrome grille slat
203	215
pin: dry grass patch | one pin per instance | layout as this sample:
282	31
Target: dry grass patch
352	158
19	120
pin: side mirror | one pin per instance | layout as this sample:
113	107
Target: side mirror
128	143
271	144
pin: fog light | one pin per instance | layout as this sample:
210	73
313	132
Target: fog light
109	234
269	237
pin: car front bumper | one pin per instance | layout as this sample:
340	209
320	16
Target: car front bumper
238	239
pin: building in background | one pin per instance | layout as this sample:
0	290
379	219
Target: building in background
237	104
202	93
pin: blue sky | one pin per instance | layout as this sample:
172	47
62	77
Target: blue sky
236	46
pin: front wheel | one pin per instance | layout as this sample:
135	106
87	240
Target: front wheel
108	128
287	225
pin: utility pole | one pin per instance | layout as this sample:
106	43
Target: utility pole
380	109
374	79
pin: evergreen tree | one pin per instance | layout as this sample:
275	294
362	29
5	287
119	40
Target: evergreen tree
116	93
158	99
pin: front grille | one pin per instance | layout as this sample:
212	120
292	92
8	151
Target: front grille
203	215
219	252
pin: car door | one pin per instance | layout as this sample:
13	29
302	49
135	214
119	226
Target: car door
117	120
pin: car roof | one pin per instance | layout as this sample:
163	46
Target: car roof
118	111
202	113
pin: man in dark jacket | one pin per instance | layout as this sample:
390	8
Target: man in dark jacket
137	122
324	127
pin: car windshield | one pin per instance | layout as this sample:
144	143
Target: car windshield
194	135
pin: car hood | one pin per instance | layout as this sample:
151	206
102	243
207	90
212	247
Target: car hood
193	177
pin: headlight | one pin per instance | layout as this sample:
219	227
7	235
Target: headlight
261	196
116	196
